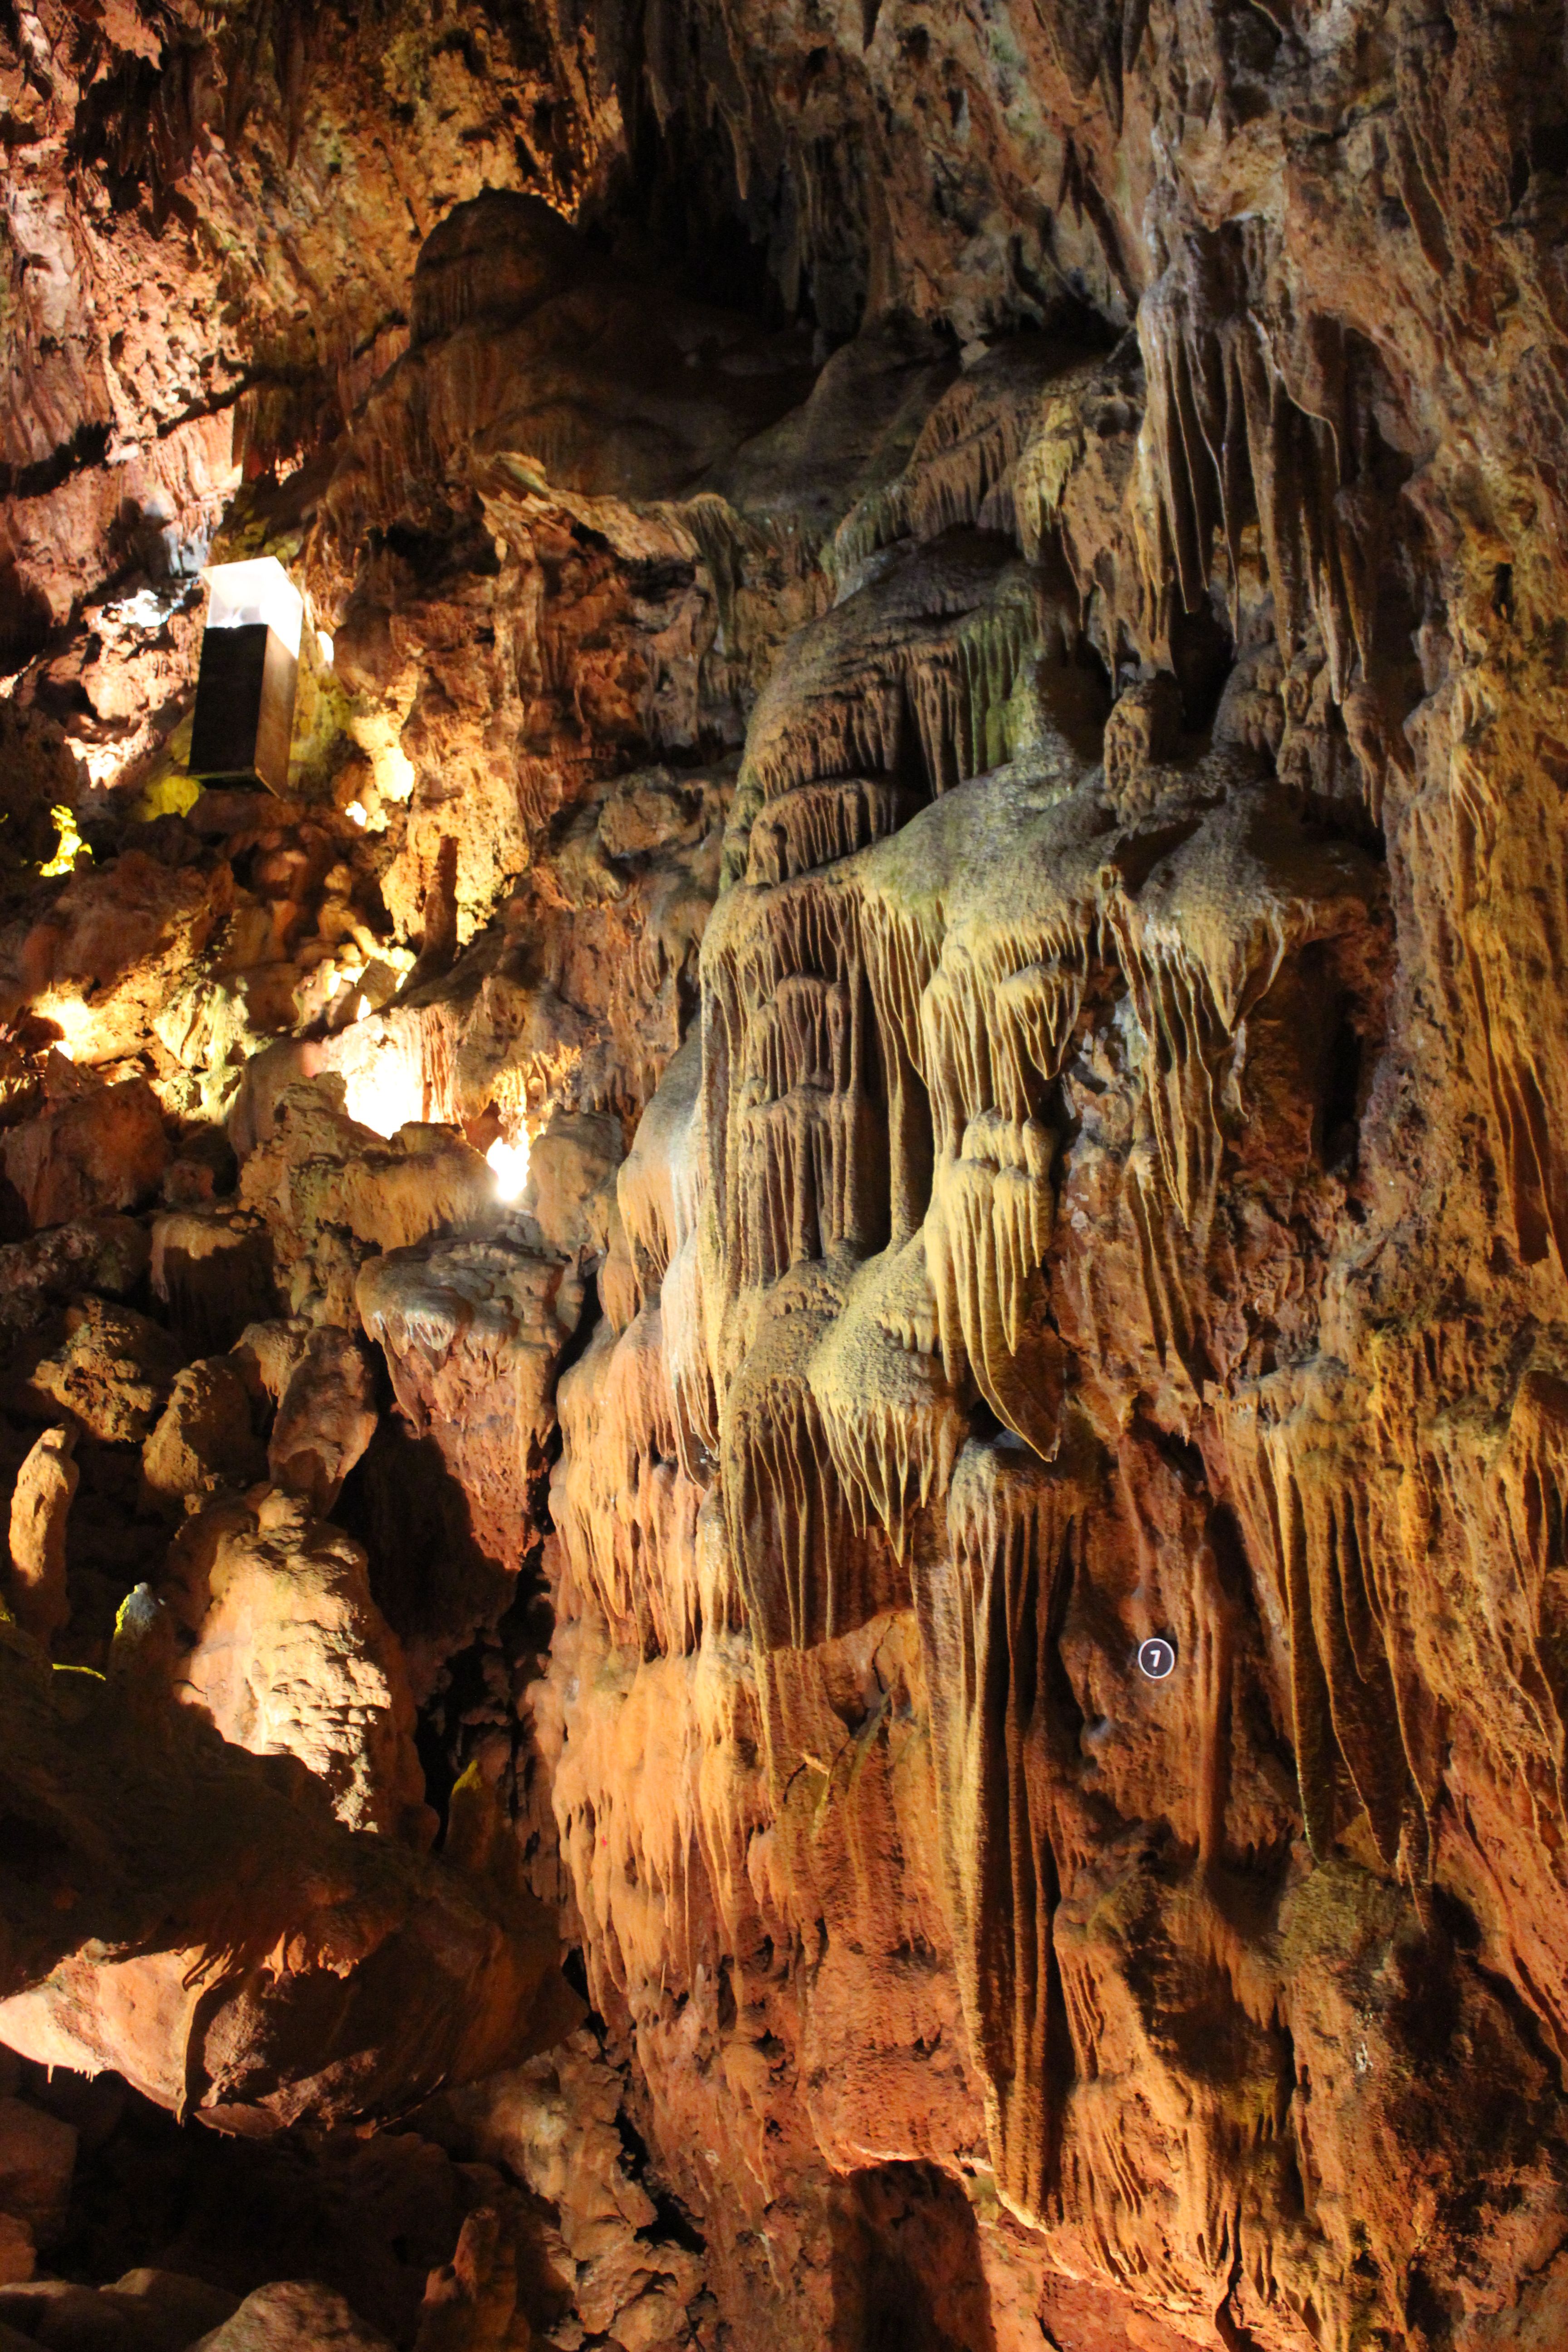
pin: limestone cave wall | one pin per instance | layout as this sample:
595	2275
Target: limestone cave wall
935	692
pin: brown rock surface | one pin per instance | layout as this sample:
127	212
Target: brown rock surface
40	1506
935	676
107	1255
18	2256
112	1373
294	2317
203	1439
38	2156
101	1150
326	1418
145	2311
171	1854
163	2306
293	1657
335	1194
212	1269
472	1331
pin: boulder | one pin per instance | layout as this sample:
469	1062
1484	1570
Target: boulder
145	2311
334	1192
166	2310
472	1329
18	2256
108	1254
203	1439
65	2317
118	945
571	1188
37	2157
269	1351
326	1418
294	2315
293	1657
101	1150
112	1373
283	1967
40	1506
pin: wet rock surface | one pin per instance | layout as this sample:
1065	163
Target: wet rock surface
784	1400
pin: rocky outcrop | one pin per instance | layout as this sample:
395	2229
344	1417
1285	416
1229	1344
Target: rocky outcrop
98	1151
38	1588
218	1901
293	1657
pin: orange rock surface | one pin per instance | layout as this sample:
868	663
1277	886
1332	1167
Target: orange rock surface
837	1273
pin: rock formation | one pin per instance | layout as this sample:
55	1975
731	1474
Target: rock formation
833	1283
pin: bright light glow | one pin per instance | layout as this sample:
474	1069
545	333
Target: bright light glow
356	814
145	610
68	845
509	1161
377	733
103	763
349	1003
76	1020
325	645
383	1073
243	594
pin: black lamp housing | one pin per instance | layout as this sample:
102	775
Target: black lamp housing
244	718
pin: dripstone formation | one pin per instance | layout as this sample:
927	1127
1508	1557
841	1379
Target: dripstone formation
934	690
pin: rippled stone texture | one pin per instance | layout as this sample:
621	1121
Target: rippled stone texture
935	674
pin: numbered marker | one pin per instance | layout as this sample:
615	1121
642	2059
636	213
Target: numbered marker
1157	1658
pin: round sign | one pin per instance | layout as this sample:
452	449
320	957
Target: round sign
1157	1657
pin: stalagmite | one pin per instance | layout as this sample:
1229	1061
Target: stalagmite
40	1502
293	1657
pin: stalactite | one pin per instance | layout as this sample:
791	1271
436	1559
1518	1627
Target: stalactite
816	824
985	1236
1201	941
791	1072
1498	758
960	471
1188	1058
1533	1482
988	1614
808	1180
976	987
996	1020
808	1575
693	1395
655	1799
914	671
901	945
892	1418
626	1513
659	1184
1170	1296
1244	423
1319	1520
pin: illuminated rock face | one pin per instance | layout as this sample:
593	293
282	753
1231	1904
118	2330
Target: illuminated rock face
985	1531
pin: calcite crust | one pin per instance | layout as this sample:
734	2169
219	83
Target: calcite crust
834	1270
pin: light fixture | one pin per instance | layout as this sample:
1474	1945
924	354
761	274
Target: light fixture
250	659
509	1163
